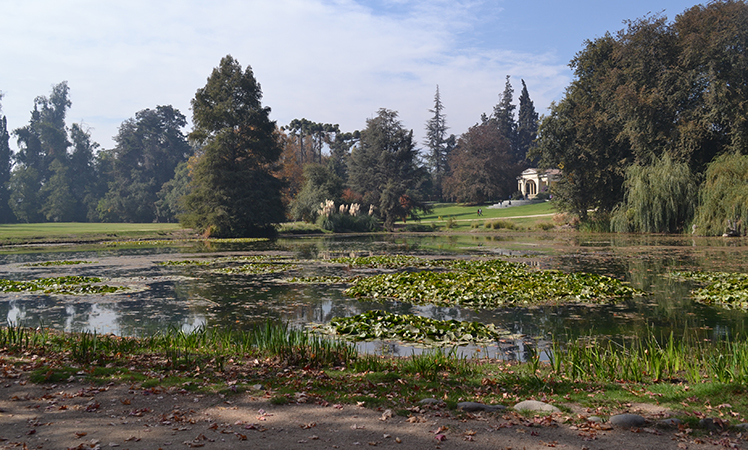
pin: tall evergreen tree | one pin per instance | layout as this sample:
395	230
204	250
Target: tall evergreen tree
503	115
527	123
439	145
234	191
384	169
6	215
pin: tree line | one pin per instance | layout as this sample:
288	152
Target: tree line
237	173
652	133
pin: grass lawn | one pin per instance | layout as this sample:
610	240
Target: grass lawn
56	232
461	217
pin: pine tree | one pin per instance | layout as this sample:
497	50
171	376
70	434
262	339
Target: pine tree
527	123
234	191
503	115
438	144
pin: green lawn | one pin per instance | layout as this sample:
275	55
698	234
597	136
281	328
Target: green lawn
54	232
465	217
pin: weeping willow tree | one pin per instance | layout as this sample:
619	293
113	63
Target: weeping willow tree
658	198
723	198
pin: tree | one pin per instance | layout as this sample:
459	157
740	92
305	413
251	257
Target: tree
43	145
723	197
149	148
653	88
659	198
86	191
482	166
383	168
503	116
439	145
234	192
6	215
527	123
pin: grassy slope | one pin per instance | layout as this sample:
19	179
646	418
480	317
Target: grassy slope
467	215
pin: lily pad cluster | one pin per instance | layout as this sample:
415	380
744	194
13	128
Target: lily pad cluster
376	325
58	263
389	261
322	279
186	262
718	288
70	285
256	269
490	284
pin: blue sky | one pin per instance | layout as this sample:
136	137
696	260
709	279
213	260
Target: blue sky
335	61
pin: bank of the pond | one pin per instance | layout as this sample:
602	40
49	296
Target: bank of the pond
286	388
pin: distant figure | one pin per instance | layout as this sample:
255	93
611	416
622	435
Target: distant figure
480	212
501	203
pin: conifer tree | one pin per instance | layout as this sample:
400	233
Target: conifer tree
503	115
234	191
527	123
439	145
6	215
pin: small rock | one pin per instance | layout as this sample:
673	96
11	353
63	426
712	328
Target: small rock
627	420
429	401
595	419
474	407
534	405
257	387
742	426
668	423
708	424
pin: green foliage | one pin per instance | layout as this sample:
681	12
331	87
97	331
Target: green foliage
171	196
651	89
234	192
321	184
723	197
6	214
438	145
384	169
377	325
499	224
490	284
729	290
58	263
659	198
70	285
346	223
482	166
149	149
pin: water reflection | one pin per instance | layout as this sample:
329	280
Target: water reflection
190	297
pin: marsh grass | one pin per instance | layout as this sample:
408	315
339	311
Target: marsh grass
681	373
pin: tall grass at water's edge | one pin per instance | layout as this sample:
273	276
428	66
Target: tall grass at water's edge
645	360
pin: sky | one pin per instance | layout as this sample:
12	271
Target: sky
329	61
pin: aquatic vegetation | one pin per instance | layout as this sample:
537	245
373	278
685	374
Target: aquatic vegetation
186	262
374	325
388	261
718	288
256	269
157	242
322	280
70	285
490	284
58	263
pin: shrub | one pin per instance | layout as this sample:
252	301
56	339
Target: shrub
498	224
345	223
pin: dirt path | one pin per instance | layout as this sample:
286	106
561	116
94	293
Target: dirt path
76	416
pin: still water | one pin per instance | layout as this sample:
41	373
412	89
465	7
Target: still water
188	297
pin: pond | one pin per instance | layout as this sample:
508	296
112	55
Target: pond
188	296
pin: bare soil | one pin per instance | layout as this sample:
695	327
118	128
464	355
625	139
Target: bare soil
81	416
